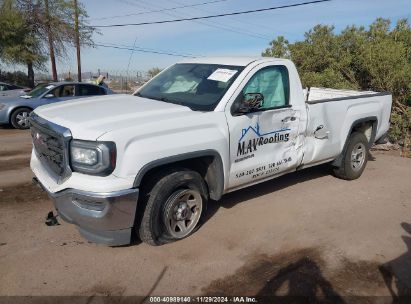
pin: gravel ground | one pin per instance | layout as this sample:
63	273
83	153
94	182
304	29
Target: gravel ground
306	233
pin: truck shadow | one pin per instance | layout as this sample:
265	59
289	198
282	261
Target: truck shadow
303	276
239	196
295	276
397	272
304	279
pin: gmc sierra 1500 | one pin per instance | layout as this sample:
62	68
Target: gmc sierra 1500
149	162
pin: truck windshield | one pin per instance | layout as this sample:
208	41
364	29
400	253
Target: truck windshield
197	86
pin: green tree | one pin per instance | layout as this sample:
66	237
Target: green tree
153	72
279	47
19	40
31	30
16	77
56	27
377	58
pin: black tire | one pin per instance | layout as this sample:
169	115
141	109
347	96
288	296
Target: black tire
19	118
152	228
351	167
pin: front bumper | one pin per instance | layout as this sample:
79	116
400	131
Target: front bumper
102	217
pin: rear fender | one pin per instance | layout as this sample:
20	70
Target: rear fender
369	134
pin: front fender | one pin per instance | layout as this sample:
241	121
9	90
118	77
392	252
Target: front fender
158	143
214	175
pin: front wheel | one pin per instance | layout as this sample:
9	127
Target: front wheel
20	118
174	207
354	159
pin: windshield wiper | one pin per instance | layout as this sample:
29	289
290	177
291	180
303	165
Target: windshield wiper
180	103
148	97
164	99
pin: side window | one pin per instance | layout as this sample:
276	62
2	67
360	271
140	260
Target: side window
56	92
272	82
67	90
63	91
89	90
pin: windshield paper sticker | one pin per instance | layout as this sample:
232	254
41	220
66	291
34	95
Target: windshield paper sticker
50	87
222	75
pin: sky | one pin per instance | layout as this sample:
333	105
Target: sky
243	35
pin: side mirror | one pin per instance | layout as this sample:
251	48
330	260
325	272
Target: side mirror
251	102
49	96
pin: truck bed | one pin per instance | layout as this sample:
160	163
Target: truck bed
316	95
335	111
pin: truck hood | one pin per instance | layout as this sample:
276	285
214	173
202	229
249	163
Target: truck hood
89	118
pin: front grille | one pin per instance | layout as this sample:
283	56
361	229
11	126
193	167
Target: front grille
51	144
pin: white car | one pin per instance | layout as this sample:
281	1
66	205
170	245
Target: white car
149	163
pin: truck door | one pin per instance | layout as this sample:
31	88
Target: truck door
263	142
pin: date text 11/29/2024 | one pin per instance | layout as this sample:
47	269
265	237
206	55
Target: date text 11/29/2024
203	299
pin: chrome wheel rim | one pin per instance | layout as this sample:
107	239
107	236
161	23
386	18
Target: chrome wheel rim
183	211
22	119
358	155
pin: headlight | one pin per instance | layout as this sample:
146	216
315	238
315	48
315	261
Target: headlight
93	157
84	156
2	106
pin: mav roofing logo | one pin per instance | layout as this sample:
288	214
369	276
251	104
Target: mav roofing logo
261	138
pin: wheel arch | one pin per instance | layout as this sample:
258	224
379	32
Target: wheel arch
359	125
207	162
16	108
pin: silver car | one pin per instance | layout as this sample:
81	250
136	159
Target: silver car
15	111
11	90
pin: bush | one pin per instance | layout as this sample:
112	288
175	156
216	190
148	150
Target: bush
400	130
18	78
377	59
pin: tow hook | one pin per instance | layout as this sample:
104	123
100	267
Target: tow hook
36	183
51	219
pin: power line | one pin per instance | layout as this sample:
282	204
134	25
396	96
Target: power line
150	49
216	25
248	23
214	16
236	29
160	10
143	50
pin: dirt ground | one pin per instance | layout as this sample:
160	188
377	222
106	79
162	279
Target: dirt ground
306	233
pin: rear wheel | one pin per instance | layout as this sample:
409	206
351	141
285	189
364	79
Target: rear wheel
20	118
174	206
354	159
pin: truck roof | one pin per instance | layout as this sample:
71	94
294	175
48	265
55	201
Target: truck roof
239	61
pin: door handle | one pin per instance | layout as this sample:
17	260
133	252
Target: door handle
289	118
321	133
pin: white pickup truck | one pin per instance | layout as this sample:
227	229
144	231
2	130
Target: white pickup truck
148	163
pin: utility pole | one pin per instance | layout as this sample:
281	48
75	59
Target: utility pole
50	39
77	37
